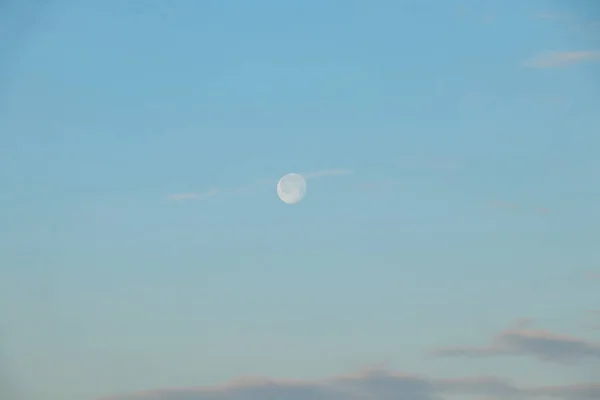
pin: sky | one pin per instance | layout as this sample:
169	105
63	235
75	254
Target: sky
444	249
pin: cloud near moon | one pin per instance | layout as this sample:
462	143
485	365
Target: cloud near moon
188	196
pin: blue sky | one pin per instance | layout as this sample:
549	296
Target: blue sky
450	150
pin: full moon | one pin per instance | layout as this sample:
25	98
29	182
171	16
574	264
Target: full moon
291	188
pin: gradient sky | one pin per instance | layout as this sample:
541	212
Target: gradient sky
451	152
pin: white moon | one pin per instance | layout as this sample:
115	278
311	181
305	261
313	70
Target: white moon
291	188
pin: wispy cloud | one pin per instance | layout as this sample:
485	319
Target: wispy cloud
561	59
247	188
594	276
367	385
524	341
311	175
445	166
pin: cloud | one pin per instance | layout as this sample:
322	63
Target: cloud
593	276
524	341
193	196
589	391
562	59
366	385
245	189
307	175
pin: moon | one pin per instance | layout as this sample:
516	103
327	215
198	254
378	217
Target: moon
291	188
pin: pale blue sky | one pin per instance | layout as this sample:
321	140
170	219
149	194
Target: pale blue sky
471	198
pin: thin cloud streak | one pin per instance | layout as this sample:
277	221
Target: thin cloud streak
562	59
245	189
193	196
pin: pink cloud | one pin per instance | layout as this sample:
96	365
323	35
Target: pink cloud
366	385
523	341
